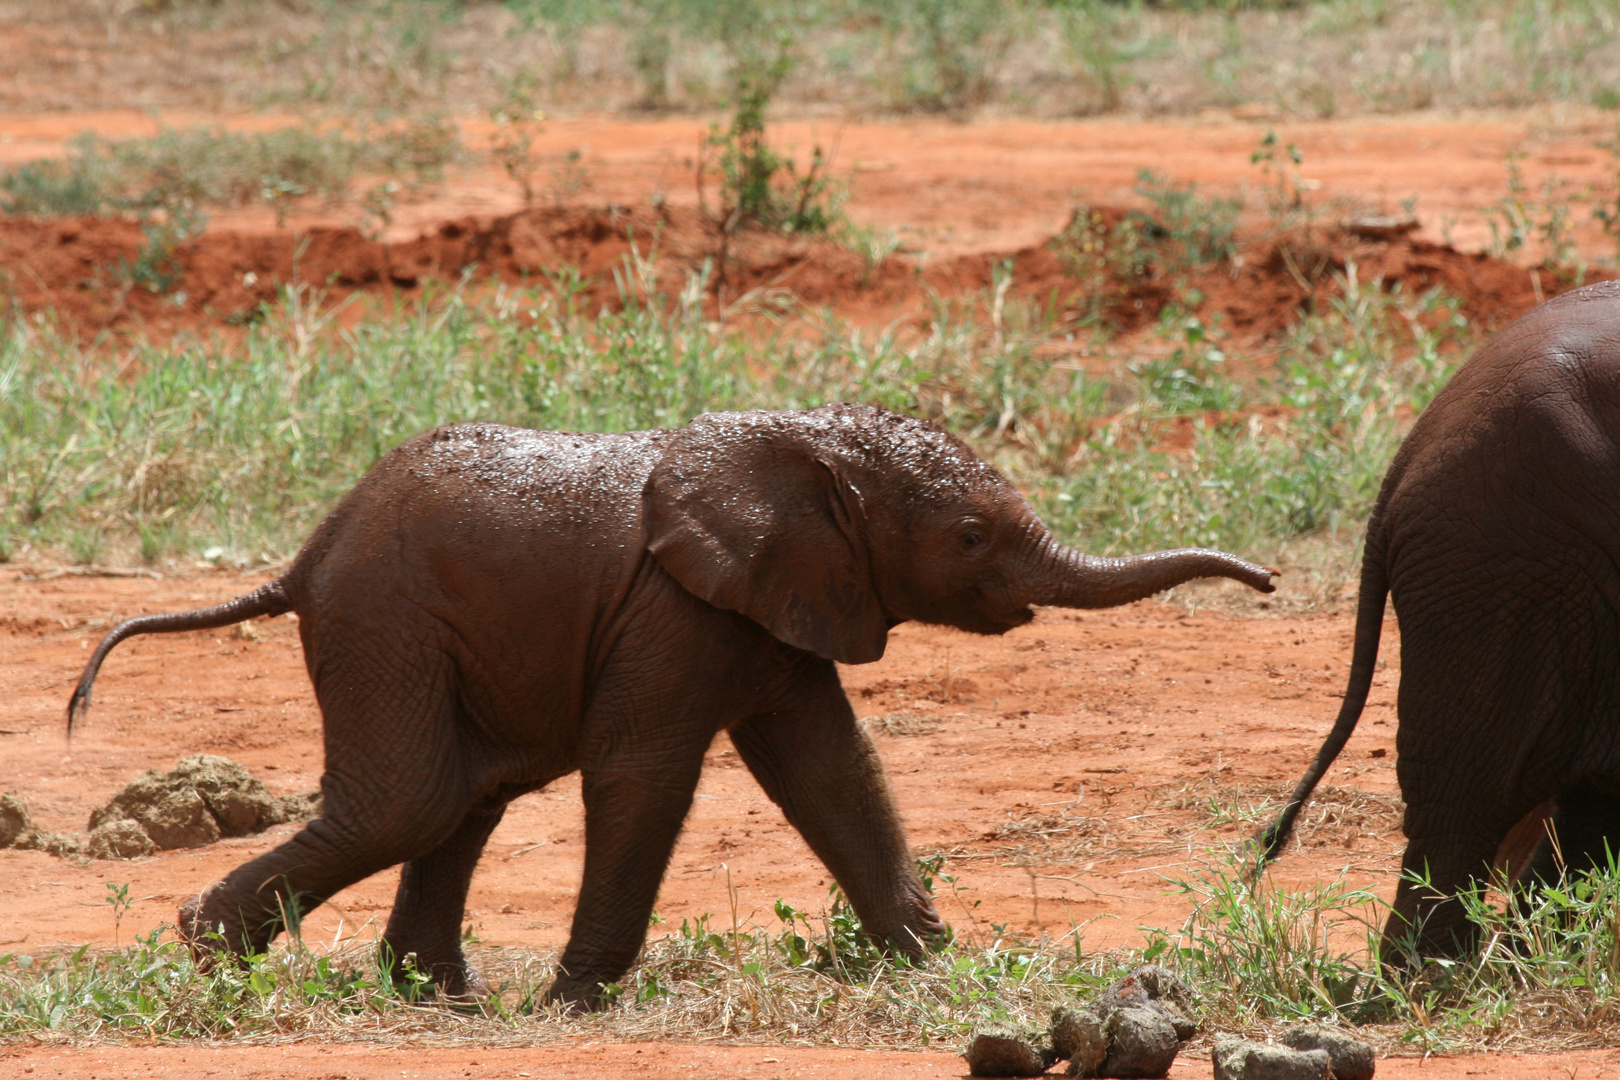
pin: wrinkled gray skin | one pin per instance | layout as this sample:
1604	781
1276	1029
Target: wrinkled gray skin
1497	531
492	608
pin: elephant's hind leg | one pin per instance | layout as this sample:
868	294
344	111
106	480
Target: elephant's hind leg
394	788
426	921
1450	848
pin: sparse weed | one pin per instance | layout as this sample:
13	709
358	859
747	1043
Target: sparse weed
1257	955
213	167
1191	378
1259	952
872	243
1199	229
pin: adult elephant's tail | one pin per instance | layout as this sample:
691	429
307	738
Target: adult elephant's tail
1363	659
268	599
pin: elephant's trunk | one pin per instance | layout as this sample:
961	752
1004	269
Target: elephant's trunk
1069	578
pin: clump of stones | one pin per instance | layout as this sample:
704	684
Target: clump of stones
201	799
1137	1026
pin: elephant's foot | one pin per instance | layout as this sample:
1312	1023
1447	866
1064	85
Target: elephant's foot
426	973
571	996
213	929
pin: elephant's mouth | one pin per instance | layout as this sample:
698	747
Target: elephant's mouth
996	618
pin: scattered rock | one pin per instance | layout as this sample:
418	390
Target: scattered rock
1135	1028
1001	1049
1155	985
121	839
1239	1059
16	826
1351	1058
1078	1036
203	798
1142	1042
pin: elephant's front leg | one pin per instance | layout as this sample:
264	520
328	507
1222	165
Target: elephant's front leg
633	813
814	761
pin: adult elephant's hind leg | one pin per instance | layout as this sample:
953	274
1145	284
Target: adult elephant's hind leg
393	789
1449	850
426	921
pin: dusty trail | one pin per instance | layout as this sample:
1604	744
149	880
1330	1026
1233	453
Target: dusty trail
991	184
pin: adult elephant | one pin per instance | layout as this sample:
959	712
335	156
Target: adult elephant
1497	531
492	608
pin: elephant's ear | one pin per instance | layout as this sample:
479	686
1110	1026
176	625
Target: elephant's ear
755	520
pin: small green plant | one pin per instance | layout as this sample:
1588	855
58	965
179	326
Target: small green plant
1607	211
377	209
569	177
118	899
1519	217
517	121
872	243
759	186
156	266
1191	378
279	192
1199	230
1281	183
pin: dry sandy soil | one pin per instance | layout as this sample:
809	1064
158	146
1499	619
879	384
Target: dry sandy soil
1064	770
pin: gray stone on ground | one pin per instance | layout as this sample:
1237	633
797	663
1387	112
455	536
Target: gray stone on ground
1134	1028
1239	1059
1077	1035
16	826
1159	986
1142	1042
1005	1049
1351	1058
120	839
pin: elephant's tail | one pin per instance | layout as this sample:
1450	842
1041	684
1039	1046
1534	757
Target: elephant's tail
1363	660
268	599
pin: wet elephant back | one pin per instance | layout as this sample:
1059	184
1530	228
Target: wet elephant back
502	549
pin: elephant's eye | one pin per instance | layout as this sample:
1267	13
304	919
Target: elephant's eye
972	538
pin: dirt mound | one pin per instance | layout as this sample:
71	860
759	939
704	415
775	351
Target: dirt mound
202	799
98	274
17	830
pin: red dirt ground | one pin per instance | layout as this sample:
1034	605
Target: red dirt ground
1133	719
1114	729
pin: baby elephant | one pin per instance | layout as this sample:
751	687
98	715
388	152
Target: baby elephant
493	608
1498	532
